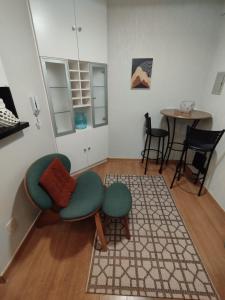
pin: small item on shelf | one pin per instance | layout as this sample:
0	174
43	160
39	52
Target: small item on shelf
7	118
80	120
187	106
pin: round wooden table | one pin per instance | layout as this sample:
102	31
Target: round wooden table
195	116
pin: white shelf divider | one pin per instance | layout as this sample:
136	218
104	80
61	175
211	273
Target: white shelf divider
80	87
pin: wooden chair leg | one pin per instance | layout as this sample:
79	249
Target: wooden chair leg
126	224
100	232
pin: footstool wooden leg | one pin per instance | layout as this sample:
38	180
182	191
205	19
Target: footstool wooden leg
126	224
100	232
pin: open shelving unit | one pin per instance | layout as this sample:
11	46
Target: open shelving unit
79	73
77	94
80	83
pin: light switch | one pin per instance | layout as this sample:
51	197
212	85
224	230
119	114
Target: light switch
219	82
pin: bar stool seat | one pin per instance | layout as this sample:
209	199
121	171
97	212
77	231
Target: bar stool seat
157	132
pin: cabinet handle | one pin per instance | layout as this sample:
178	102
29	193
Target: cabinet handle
85	149
78	28
89	148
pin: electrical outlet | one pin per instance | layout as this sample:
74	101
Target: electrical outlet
12	225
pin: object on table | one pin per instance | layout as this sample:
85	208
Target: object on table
7	118
187	106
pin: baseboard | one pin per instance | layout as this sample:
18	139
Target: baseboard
207	192
173	161
122	158
89	167
3	275
217	204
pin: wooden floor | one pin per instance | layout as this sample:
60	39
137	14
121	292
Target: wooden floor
54	262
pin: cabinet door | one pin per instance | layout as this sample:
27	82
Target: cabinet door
59	95
53	21
97	145
99	94
74	147
91	21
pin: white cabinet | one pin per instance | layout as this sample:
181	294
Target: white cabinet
73	146
63	27
53	21
91	20
84	147
98	143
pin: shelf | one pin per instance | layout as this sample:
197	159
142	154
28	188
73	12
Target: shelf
84	71
83	129
58	87
61	112
7	131
85	89
85	98
76	98
71	70
75	90
81	105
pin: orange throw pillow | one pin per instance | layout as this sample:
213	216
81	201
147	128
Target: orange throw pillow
58	183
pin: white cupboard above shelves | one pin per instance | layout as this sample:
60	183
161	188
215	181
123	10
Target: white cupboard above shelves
66	29
53	21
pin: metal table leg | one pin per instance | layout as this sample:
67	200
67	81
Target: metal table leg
170	143
195	123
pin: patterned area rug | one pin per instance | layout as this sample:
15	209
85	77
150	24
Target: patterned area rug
159	260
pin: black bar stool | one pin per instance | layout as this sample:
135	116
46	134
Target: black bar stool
156	133
203	143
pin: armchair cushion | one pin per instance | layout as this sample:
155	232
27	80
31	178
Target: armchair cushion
58	183
87	198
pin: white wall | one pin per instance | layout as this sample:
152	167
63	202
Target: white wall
21	66
216	105
180	36
3	79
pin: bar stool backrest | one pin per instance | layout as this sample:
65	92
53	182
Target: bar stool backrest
148	123
203	137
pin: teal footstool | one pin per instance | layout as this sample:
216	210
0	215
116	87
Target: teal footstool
117	203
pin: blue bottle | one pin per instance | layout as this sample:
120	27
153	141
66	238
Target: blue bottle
80	120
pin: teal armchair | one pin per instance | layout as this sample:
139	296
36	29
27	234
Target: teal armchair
85	202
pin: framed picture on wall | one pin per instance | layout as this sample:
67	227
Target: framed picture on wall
141	73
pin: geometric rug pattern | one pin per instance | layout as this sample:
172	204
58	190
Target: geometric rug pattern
160	259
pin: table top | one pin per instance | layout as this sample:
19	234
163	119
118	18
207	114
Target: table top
193	115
